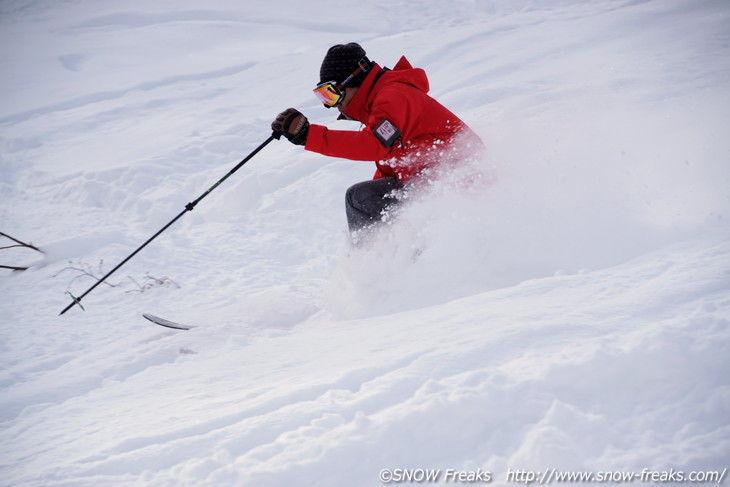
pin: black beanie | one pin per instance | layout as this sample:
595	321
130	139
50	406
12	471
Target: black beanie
340	62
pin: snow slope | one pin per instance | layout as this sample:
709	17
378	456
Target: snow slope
572	315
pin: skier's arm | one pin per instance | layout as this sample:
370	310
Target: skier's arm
356	145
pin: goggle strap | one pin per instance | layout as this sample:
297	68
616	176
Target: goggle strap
362	65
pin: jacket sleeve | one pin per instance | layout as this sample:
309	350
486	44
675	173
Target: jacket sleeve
401	105
356	145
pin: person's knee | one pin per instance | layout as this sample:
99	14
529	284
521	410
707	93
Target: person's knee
350	193
368	201
358	193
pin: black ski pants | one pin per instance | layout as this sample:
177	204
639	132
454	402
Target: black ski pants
368	201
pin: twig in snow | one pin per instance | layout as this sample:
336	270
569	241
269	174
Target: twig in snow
86	270
13	268
151	282
19	243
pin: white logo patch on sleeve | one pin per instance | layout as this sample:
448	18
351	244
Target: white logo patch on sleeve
387	133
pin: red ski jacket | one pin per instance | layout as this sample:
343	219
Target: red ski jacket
405	130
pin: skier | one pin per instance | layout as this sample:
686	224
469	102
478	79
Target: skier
406	132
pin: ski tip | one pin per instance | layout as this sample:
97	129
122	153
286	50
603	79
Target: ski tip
166	323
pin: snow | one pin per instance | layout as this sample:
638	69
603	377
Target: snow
573	314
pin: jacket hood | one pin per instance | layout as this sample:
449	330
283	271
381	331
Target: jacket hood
402	72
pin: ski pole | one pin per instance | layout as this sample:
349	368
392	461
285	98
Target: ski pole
188	207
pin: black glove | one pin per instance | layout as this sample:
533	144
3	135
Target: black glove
291	124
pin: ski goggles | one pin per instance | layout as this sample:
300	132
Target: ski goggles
330	92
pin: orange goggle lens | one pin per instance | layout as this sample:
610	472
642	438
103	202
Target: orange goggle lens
328	93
